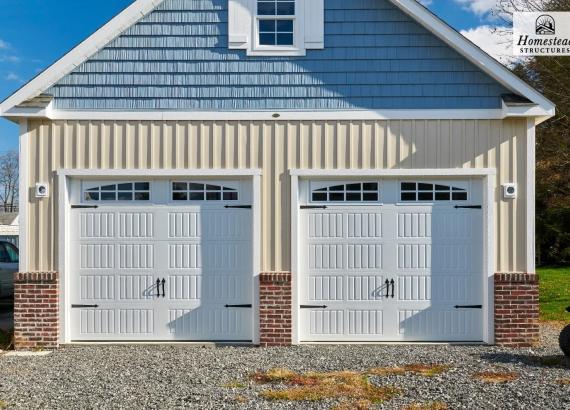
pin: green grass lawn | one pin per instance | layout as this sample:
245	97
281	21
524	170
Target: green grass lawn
554	293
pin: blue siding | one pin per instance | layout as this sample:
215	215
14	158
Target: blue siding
177	58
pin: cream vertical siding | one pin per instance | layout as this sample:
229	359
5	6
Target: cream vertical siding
275	147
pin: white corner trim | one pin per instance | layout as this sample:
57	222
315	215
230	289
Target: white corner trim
256	263
530	196
426	172
96	173
489	259
315	115
63	256
23	189
472	52
81	53
295	286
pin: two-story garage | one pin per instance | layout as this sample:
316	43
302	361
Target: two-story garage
275	172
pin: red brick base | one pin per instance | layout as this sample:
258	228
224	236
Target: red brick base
36	310
516	309
275	309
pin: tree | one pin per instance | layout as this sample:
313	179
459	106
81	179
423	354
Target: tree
9	181
551	76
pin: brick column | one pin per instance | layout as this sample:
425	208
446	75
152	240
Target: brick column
516	309
36	310
275	308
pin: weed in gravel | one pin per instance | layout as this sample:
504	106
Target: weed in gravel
496	377
428	370
361	404
352	389
432	405
273	376
238	398
564	382
3	405
235	384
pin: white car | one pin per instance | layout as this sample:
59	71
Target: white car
9	261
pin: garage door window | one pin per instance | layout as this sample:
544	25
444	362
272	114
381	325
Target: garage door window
193	191
353	192
124	191
422	191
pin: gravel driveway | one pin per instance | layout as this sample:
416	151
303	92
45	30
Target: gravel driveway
178	376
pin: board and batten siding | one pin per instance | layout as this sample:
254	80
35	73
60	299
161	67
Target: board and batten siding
275	147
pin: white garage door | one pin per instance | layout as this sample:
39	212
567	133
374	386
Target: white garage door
161	260
391	260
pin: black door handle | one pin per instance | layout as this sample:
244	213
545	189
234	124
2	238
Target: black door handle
163	282
393	286
387	283
158	288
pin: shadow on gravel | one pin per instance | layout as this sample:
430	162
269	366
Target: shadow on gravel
550	361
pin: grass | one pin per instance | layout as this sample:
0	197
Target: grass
352	390
496	377
432	405
235	384
564	382
554	296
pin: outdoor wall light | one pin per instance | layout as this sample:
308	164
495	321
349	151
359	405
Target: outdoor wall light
42	190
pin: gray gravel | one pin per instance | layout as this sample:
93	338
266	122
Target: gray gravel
182	376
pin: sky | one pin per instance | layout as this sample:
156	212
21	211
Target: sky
36	33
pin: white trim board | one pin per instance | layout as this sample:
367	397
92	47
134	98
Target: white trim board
97	173
23	192
64	178
387	114
530	196
140	8
424	172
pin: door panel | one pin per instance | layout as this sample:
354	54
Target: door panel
431	251
200	253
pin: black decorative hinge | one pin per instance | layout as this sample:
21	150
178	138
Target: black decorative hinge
238	306
84	306
238	206
468	306
313	306
313	207
84	206
468	207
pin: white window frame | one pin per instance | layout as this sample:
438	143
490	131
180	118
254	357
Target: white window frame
296	49
222	184
315	185
465	186
86	185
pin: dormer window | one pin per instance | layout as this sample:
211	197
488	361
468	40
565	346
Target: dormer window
276	21
276	27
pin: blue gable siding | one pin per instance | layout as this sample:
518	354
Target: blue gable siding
375	57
